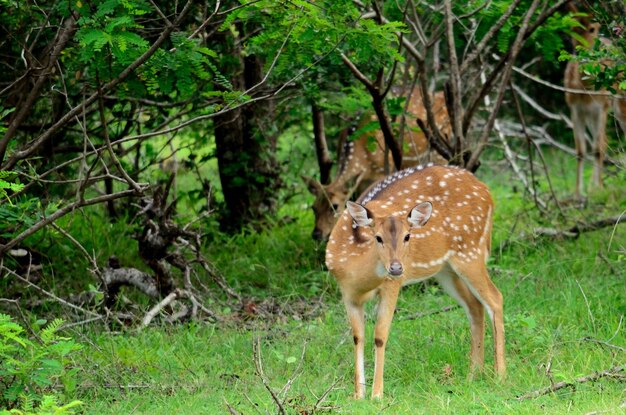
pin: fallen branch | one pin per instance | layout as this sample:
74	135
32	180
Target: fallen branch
258	365
430	313
576	230
608	411
614	371
49	294
114	278
157	308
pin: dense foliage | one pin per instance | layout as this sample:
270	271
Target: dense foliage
151	155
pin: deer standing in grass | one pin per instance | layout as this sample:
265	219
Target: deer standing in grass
419	223
362	166
589	112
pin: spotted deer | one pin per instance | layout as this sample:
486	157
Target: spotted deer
588	111
419	223
363	163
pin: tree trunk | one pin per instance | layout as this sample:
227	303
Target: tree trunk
246	153
321	147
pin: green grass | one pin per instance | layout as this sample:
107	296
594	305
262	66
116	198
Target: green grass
564	305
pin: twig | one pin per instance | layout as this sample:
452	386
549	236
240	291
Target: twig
296	373
231	410
510	156
525	28
324	395
62	212
591	317
562	88
157	308
80	323
49	294
165	35
606	344
560	385
82	249
258	364
430	313
608	411
576	230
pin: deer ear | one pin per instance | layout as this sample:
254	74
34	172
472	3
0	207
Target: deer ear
420	214
360	215
313	185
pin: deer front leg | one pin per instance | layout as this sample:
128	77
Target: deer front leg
386	307
356	315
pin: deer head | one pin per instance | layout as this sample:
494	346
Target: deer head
391	233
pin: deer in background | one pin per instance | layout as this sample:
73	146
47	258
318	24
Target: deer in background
419	223
361	165
589	112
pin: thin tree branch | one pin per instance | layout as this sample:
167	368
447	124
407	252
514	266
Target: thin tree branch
62	39
258	364
506	75
614	371
49	294
62	212
87	102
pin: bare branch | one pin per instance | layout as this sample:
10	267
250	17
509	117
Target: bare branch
258	365
32	147
145	322
62	212
614	371
506	75
49	294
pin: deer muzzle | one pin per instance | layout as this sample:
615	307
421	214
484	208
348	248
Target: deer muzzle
395	268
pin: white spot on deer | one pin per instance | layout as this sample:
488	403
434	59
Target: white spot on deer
442	184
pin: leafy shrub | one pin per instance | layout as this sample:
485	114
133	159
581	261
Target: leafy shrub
32	372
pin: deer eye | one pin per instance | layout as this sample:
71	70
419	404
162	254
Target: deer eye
407	237
379	239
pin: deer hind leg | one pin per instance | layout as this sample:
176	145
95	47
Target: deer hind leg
578	120
356	315
475	312
386	307
619	110
598	127
477	279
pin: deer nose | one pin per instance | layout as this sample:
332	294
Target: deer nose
395	268
317	235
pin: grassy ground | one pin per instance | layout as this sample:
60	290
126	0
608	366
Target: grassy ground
564	305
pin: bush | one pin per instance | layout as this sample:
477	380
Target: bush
32	372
